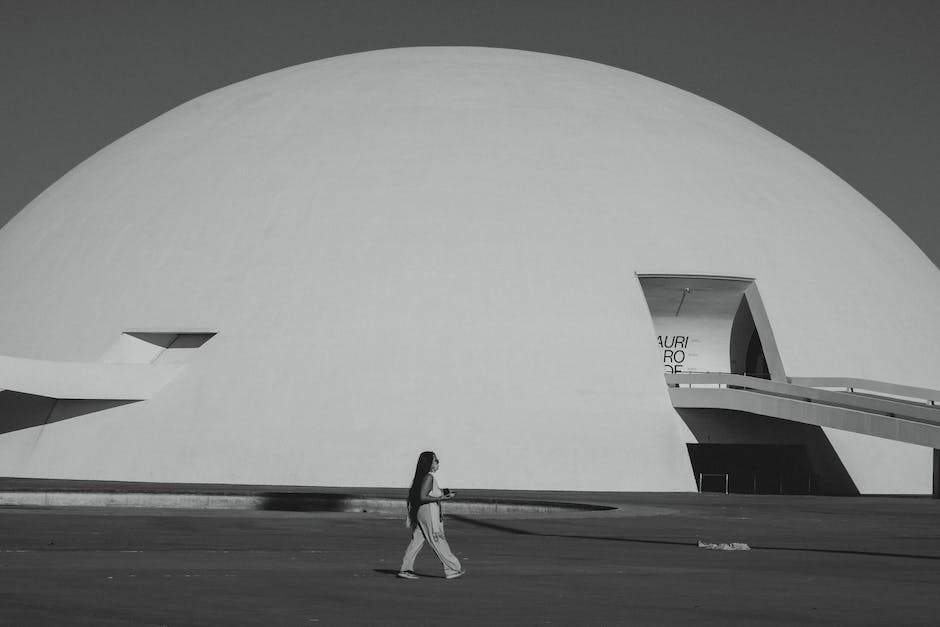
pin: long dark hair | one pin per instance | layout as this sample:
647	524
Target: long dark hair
422	468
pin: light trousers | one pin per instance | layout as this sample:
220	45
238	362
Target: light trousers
430	529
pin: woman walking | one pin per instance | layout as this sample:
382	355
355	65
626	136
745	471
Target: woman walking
425	520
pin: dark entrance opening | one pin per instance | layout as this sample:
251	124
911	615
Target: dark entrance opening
752	468
755	364
746	350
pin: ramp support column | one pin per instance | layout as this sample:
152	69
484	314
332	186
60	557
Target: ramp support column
936	473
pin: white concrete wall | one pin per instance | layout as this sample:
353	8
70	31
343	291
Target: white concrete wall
436	248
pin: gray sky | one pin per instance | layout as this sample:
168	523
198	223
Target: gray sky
854	84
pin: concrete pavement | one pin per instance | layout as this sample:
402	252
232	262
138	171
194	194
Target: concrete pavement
813	561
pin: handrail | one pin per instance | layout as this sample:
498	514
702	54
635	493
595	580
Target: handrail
882	387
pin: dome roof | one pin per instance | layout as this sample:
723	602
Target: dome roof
438	247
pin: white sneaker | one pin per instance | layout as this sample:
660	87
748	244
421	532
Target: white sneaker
407	574
459	573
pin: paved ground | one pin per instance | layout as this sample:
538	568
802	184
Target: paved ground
814	561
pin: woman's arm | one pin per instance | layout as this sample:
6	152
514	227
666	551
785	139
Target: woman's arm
425	492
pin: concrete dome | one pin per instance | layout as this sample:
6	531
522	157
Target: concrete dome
439	248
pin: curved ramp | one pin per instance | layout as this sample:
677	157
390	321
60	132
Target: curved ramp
901	413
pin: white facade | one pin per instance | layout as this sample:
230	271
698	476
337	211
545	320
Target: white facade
438	248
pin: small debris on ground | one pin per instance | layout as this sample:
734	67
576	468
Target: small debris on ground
724	546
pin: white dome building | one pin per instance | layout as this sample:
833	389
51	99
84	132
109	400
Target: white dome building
311	276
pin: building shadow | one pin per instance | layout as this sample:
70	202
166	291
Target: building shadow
518	531
311	502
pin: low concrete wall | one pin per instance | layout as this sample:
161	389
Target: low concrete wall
283	501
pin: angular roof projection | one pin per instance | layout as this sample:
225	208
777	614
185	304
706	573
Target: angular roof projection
58	379
492	254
